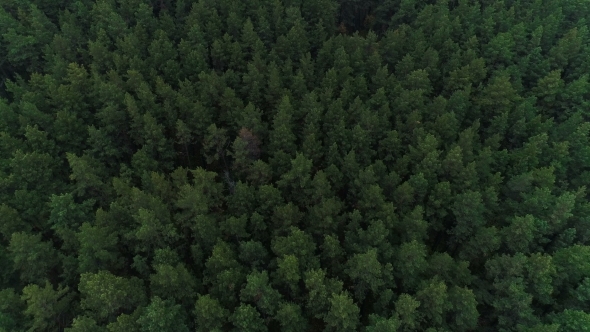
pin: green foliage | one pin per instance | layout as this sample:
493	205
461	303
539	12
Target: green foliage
126	322
11	309
32	257
405	307
319	290
259	292
380	324
98	248
161	315
209	314
291	318
172	282
433	301
103	294
343	314
246	318
46	306
572	320
411	263
84	323
294	165
367	273
464	307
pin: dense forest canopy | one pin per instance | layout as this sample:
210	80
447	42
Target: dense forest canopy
294	165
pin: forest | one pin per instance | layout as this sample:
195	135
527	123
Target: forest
294	165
